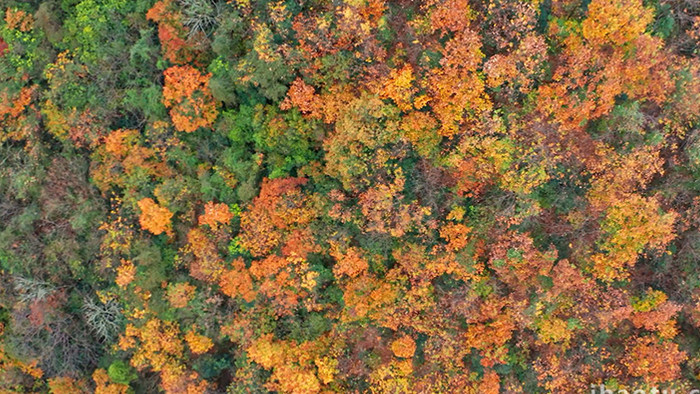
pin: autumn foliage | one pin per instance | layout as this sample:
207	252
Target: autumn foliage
186	92
154	217
349	196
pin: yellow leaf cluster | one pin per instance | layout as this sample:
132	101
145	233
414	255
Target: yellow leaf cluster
198	344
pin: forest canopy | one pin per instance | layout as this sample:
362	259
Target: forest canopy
317	196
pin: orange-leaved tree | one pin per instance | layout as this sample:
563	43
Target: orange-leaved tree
155	218
186	92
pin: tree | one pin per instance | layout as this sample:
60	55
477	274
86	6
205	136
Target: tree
65	385
198	344
154	217
186	92
207	264
404	347
174	35
630	226
104	386
654	362
456	89
180	294
413	196
617	23
366	137
215	215
280	207
123	160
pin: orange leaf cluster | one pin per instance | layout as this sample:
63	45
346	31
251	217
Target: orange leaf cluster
121	156
302	96
279	207
157	345
186	92
207	265
154	217
68	385
172	33
180	294
199	344
654	362
215	215
615	22
404	347
12	119
237	282
104	385
399	87
350	263
295	367
126	273
18	19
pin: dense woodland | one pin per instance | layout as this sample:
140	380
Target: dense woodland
304	196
